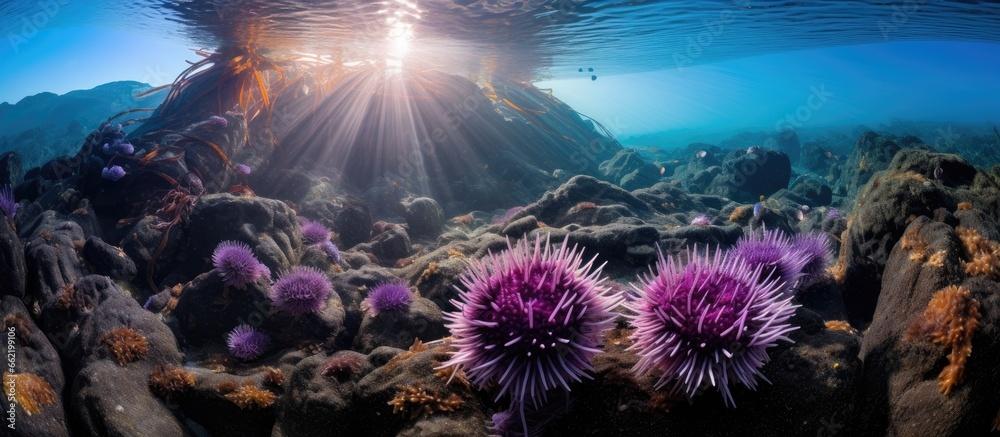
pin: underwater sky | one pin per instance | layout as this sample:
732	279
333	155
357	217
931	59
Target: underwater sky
61	45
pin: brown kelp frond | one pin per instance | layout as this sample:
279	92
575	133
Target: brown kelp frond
415	401
840	326
216	149
950	319
168	382
30	391
125	345
249	397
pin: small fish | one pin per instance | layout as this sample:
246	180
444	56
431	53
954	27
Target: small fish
593	77
753	149
580	70
758	209
662	170
801	215
590	70
938	173
701	154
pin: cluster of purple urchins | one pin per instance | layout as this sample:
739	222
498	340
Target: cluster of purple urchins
301	290
237	264
783	258
388	297
530	319
707	323
315	234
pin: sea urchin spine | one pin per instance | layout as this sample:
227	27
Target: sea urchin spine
707	323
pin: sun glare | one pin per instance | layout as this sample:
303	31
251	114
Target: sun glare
399	19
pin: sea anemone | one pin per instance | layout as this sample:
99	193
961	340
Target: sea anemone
772	251
301	290
246	343
701	220
313	232
815	248
530	319
387	297
707	323
237	265
331	250
8	205
113	173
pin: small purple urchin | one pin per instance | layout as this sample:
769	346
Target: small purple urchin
313	232
301	290
237	265
246	343
530	319
701	220
330	250
389	296
113	173
8	204
707	323
772	251
815	249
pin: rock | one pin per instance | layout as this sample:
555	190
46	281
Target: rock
206	403
747	176
579	193
12	266
422	320
424	217
10	169
872	153
35	358
629	170
521	226
314	406
884	208
207	310
108	398
812	191
105	259
353	225
392	244
51	259
901	388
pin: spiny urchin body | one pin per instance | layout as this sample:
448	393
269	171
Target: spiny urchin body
313	232
815	249
113	173
301	290
772	251
530	319
387	297
701	220
237	264
246	343
331	250
708	323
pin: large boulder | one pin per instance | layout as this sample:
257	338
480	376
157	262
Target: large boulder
747	175
424	217
12	267
928	290
629	170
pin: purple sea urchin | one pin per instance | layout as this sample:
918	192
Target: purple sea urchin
530	319
814	248
707	323
701	220
313	232
8	204
301	290
772	251
246	343
390	296
330	250
113	173
237	265
243	169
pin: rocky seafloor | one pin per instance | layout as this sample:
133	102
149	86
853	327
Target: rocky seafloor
123	321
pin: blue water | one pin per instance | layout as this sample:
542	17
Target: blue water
689	68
